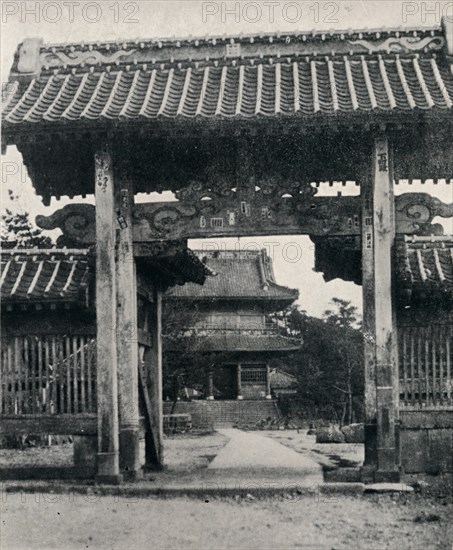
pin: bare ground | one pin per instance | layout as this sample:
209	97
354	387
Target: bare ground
421	520
49	521
184	452
329	455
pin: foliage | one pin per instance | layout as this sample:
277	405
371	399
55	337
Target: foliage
17	230
329	366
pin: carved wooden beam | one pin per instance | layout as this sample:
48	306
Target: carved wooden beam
415	212
204	213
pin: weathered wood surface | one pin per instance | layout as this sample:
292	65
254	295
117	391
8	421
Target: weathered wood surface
386	372
369	322
204	213
126	332
107	385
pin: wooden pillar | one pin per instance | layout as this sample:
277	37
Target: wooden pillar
210	384
378	231
239	382
268	382
154	448
106	360
126	334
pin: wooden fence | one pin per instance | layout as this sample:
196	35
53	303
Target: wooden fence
48	375
425	360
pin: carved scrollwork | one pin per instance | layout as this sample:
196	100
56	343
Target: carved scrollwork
76	221
90	57
272	187
162	220
404	44
416	211
197	191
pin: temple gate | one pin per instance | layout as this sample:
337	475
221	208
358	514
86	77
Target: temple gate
241	130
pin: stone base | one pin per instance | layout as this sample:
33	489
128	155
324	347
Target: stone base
108	468
388	488
109	480
387	477
85	451
369	474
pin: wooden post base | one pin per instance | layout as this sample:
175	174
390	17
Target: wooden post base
106	464
370	445
130	454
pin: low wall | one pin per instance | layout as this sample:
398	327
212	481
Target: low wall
426	438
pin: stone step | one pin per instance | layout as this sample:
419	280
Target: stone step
224	413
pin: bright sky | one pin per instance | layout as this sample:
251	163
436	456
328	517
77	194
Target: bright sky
77	21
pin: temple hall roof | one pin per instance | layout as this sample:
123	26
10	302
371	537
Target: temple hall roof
386	71
237	340
239	275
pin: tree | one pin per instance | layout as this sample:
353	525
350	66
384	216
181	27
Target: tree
17	229
329	365
348	341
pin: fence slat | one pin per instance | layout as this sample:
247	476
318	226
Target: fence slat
448	363
426	364
47	374
419	366
11	399
427	371
83	406
412	366
48	384
75	374
17	377
40	402
61	373
54	386
91	406
403	363
68	374
32	375
433	363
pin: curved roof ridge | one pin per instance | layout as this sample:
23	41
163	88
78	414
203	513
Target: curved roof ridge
162	41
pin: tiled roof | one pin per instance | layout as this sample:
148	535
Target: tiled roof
383	71
233	341
63	275
36	275
239	275
425	261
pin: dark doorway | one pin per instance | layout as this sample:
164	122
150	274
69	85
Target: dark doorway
225	382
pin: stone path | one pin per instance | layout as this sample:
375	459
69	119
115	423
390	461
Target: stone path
250	452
